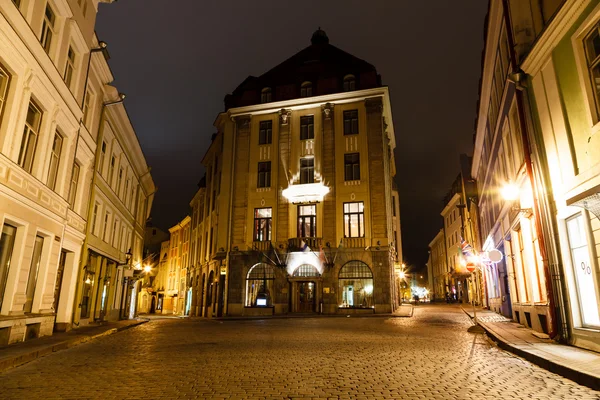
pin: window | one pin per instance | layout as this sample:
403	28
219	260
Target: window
264	174
259	286
306	270
307	127
584	271
95	218
33	273
349	83
70	67
54	160
105	226
47	28
111	170
30	136
102	156
265	95
4	78
262	224
265	133
119	180
87	108
7	240
307	221
352	167
592	53
351	122
307	170
114	233
354	220
125	191
306	89
355	285
73	185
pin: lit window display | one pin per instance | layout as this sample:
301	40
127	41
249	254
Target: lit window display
259	286
355	285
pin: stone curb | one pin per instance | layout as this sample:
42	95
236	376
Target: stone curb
25	358
565	371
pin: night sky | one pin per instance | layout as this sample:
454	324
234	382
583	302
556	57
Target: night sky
176	60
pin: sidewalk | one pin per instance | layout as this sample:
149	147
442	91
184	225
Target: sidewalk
17	354
579	365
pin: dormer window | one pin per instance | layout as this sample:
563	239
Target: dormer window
306	90
349	83
266	95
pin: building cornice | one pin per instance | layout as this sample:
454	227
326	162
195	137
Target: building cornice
451	203
552	35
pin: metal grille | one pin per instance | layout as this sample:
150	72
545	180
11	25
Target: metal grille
355	270
306	270
261	271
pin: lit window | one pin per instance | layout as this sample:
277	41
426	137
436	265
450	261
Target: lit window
307	221
349	83
265	132
355	285
351	122
307	127
306	90
307	170
259	286
354	220
70	67
352	167
266	95
30	136
47	28
264	174
306	270
54	160
262	224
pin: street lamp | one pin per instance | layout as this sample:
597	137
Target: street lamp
511	192
147	269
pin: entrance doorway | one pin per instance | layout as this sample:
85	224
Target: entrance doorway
305	297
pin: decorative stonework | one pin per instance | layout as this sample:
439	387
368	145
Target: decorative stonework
327	110
284	116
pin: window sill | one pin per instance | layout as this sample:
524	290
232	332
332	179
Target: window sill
352	183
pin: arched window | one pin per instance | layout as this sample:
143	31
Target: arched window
355	285
306	90
349	83
259	286
306	270
266	95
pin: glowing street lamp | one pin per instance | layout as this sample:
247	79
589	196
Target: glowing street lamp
510	192
147	269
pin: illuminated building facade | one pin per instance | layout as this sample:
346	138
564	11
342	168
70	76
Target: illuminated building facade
559	60
53	90
295	212
437	268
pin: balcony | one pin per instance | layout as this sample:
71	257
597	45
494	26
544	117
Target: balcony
295	244
350	243
264	245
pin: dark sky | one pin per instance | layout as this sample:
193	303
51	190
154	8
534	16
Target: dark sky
176	60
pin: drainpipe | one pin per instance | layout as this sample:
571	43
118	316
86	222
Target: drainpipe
519	96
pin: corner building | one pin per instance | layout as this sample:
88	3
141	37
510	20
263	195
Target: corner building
297	210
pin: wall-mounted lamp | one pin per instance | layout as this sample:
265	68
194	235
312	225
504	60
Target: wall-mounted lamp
511	192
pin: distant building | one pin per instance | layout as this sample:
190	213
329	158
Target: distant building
438	271
295	213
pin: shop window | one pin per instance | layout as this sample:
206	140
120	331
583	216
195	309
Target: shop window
355	285
260	286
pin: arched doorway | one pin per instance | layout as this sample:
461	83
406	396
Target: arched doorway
209	294
355	288
304	288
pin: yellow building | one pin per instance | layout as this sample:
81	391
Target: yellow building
297	210
438	271
176	294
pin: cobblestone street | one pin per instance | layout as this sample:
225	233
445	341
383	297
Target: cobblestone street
428	356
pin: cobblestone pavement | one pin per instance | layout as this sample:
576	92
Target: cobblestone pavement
428	356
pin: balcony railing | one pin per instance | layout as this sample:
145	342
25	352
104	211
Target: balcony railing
261	245
295	244
354	242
